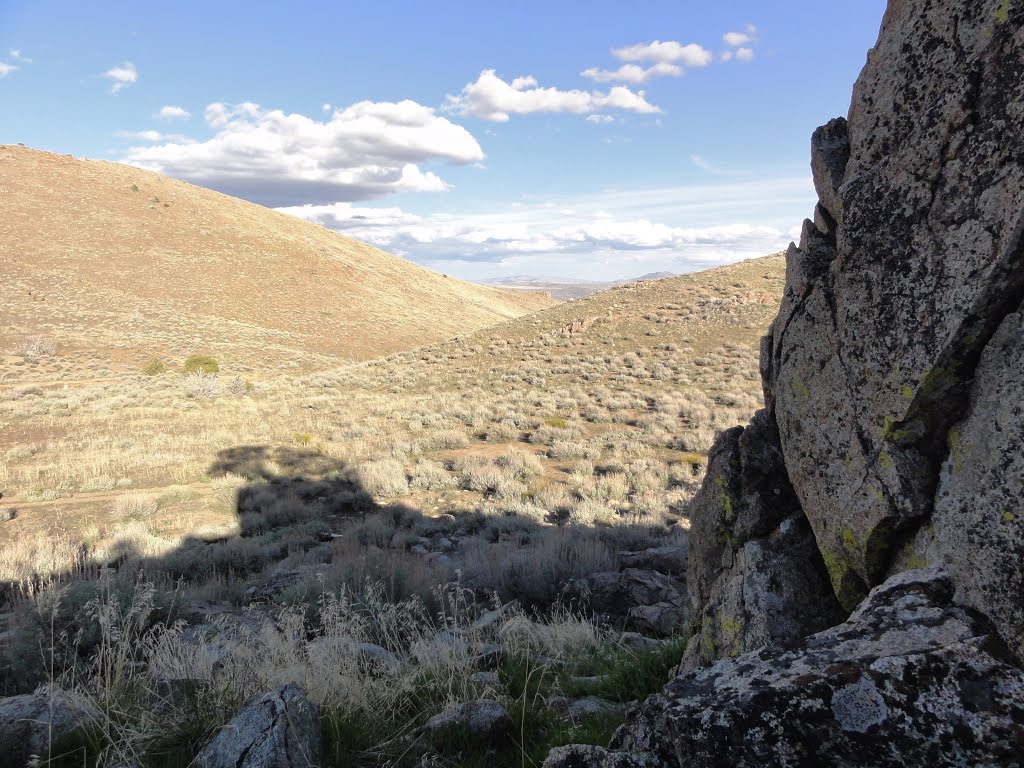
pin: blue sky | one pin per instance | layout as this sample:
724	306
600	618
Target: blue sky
598	140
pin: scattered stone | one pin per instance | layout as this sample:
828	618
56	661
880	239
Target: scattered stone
593	706
668	560
483	721
647	600
280	729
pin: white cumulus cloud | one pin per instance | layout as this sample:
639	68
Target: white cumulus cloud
121	76
737	39
667	52
171	112
492	98
363	151
6	69
744	54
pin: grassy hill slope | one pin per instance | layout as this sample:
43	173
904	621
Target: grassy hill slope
116	265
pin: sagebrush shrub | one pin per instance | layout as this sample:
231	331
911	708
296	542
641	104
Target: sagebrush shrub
201	384
383	478
154	366
35	346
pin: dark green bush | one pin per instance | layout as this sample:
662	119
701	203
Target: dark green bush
203	363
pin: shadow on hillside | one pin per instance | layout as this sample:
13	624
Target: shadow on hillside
304	525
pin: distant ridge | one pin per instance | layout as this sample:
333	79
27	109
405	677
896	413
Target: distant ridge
122	264
566	288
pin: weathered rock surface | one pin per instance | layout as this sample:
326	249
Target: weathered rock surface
755	575
909	679
646	600
42	724
871	357
979	515
280	729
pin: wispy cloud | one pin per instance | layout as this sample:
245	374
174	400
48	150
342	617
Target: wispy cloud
492	98
363	151
122	76
632	73
619	228
15	55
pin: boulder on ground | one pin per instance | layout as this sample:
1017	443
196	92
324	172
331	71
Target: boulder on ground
43	724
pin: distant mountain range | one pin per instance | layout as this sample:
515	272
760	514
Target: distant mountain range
566	288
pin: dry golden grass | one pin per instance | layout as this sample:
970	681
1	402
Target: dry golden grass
115	265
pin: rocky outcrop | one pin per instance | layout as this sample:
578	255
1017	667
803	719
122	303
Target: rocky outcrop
280	729
45	724
891	440
915	261
910	679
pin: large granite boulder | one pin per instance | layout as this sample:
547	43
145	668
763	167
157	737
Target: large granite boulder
280	729
889	306
909	679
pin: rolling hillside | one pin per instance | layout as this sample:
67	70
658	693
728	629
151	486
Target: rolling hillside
116	265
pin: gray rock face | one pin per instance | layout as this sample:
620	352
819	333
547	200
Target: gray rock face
281	729
755	575
42	724
979	520
646	600
871	357
909	679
